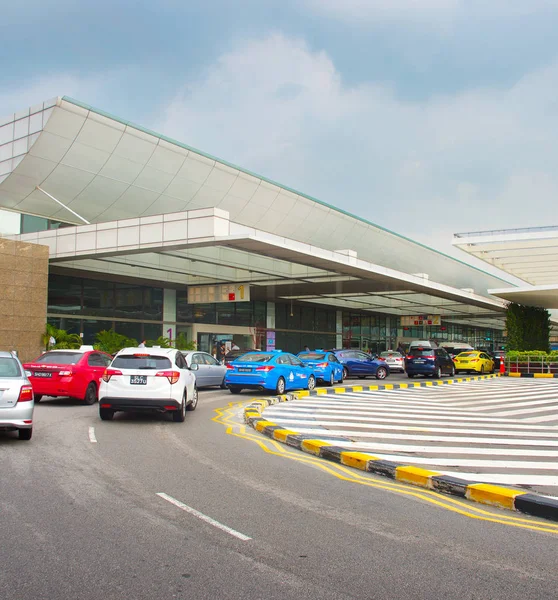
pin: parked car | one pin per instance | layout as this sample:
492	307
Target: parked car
394	359
275	370
476	361
73	373
148	380
234	354
497	356
16	397
356	362
326	365
209	371
453	349
429	362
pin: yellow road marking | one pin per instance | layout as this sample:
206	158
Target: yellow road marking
225	414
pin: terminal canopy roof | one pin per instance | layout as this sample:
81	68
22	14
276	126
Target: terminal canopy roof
530	254
123	178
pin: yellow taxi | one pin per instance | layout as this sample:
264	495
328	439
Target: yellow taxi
473	360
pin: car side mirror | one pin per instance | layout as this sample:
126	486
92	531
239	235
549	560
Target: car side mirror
194	367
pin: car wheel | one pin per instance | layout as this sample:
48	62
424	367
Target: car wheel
341	380
223	385
25	434
331	379
482	370
345	373
438	374
452	372
311	382
280	387
106	414
381	373
38	397
194	403
90	394
179	415
235	389
410	375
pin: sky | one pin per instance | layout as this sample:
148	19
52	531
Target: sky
426	117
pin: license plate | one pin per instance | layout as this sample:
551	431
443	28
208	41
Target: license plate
244	369
138	379
419	360
42	374
464	361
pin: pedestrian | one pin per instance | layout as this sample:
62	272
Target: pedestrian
142	344
400	349
234	347
221	351
306	349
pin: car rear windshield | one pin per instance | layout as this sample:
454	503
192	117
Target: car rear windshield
466	354
396	354
259	357
311	356
9	368
129	361
421	352
59	358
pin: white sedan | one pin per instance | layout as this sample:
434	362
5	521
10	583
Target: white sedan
394	360
148	380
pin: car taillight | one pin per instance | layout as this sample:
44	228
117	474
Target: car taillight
431	357
473	360
229	366
409	357
25	393
266	369
172	376
110	373
65	373
322	365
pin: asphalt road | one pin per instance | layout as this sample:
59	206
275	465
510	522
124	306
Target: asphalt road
81	518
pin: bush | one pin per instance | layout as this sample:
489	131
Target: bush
64	340
111	342
182	343
161	341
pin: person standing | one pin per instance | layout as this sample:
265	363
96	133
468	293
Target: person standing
141	344
221	351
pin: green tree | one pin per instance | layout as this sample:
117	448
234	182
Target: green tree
182	343
528	328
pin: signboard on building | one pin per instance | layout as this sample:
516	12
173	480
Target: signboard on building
418	320
204	294
270	341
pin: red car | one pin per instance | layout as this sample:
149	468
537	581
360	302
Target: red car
73	373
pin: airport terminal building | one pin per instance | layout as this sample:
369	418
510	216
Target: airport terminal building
150	237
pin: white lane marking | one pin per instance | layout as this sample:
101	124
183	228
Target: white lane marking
203	517
92	437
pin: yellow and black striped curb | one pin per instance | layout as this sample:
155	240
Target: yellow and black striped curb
534	375
513	499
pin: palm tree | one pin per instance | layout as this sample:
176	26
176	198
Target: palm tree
64	340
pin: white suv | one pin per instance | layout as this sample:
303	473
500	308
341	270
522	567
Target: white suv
148	379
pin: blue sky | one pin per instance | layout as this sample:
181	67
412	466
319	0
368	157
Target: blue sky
428	117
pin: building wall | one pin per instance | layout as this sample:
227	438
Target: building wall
23	297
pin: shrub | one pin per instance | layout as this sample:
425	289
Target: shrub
111	342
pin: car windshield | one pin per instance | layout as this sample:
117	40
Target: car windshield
312	356
386	354
421	352
59	358
257	357
131	361
9	367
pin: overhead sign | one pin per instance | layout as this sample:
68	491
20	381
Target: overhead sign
204	294
418	320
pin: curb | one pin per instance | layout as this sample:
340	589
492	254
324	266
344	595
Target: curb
534	375
484	493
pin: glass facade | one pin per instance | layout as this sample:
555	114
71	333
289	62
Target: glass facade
87	306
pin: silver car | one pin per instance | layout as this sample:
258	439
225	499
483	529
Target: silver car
209	371
16	397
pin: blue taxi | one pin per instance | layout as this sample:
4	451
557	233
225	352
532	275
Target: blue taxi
274	370
326	365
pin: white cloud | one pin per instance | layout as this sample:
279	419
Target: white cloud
484	159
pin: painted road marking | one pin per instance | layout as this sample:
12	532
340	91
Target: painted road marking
227	416
459	430
92	437
202	517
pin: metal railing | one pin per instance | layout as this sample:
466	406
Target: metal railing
531	365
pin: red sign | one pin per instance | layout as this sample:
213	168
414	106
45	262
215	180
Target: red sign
232	297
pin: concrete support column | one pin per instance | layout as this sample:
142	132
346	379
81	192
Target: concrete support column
339	329
169	313
270	321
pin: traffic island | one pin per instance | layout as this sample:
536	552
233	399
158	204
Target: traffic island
482	492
